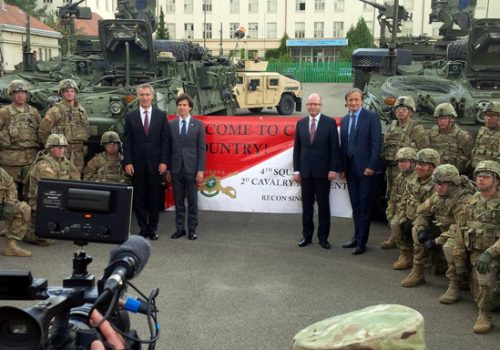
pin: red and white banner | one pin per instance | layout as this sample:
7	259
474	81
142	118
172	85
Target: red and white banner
249	168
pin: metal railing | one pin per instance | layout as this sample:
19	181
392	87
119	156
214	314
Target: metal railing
314	72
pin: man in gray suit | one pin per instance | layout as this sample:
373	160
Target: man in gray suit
187	165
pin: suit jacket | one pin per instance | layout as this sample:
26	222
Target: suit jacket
146	152
367	142
189	150
317	159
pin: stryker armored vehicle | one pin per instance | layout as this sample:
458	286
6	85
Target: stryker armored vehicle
467	78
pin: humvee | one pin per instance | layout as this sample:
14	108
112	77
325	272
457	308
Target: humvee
257	89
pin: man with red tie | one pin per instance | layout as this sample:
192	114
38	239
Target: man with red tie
315	165
146	151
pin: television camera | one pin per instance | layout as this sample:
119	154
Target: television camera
83	212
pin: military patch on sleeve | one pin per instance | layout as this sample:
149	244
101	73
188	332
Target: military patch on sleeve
47	170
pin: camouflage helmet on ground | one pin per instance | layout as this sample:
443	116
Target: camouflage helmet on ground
446	173
493	108
429	155
18	85
488	165
405	101
110	137
67	84
56	140
445	109
406	153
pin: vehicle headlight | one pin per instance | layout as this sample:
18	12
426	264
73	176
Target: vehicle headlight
115	107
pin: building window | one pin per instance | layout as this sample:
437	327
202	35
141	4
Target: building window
319	5
171	30
253	6
188	6
234	6
233	27
338	5
338	29
319	30
170	6
271	6
300	5
300	30
253	30
206	6
188	30
272	30
207	32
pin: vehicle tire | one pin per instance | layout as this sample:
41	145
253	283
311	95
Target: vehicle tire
256	110
457	50
286	105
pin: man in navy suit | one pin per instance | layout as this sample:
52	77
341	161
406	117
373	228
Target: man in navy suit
361	137
315	165
146	151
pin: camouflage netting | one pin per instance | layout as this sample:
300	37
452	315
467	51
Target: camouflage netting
182	51
441	90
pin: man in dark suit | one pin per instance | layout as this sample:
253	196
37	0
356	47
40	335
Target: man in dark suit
361	137
187	166
146	150
315	165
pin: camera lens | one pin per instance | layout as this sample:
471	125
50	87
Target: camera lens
19	330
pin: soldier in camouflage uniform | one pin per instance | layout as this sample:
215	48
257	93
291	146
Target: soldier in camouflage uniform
15	213
436	225
106	166
419	187
453	143
406	158
69	118
480	242
19	124
403	132
51	164
487	145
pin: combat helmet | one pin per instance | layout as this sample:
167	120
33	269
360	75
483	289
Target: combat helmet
18	85
429	155
67	84
406	153
110	137
405	101
445	109
446	173
488	165
56	140
492	107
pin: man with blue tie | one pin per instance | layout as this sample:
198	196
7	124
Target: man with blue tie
361	138
315	165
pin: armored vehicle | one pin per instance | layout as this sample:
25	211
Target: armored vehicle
257	89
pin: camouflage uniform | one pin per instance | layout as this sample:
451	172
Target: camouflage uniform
487	145
18	135
16	213
455	145
71	121
104	167
411	134
480	234
46	166
436	224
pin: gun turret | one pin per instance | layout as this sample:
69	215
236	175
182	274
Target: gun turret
379	7
453	12
138	9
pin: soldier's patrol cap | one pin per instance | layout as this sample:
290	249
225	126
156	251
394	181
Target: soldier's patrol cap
445	109
405	101
492	107
387	326
18	85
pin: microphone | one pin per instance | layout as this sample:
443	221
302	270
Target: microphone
126	261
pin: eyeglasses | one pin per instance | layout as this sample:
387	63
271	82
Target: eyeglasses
484	175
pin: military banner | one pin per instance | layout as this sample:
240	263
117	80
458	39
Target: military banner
249	168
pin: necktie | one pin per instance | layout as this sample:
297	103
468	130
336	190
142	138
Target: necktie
350	143
183	128
312	129
146	122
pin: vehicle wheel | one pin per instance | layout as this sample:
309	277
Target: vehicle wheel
457	50
255	110
286	105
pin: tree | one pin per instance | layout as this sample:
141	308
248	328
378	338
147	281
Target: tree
357	37
30	6
280	53
162	31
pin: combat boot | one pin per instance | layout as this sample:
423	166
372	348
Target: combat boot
451	294
405	260
388	244
415	278
12	249
483	322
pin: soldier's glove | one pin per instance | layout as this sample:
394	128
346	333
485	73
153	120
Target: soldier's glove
483	264
462	273
429	244
422	236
